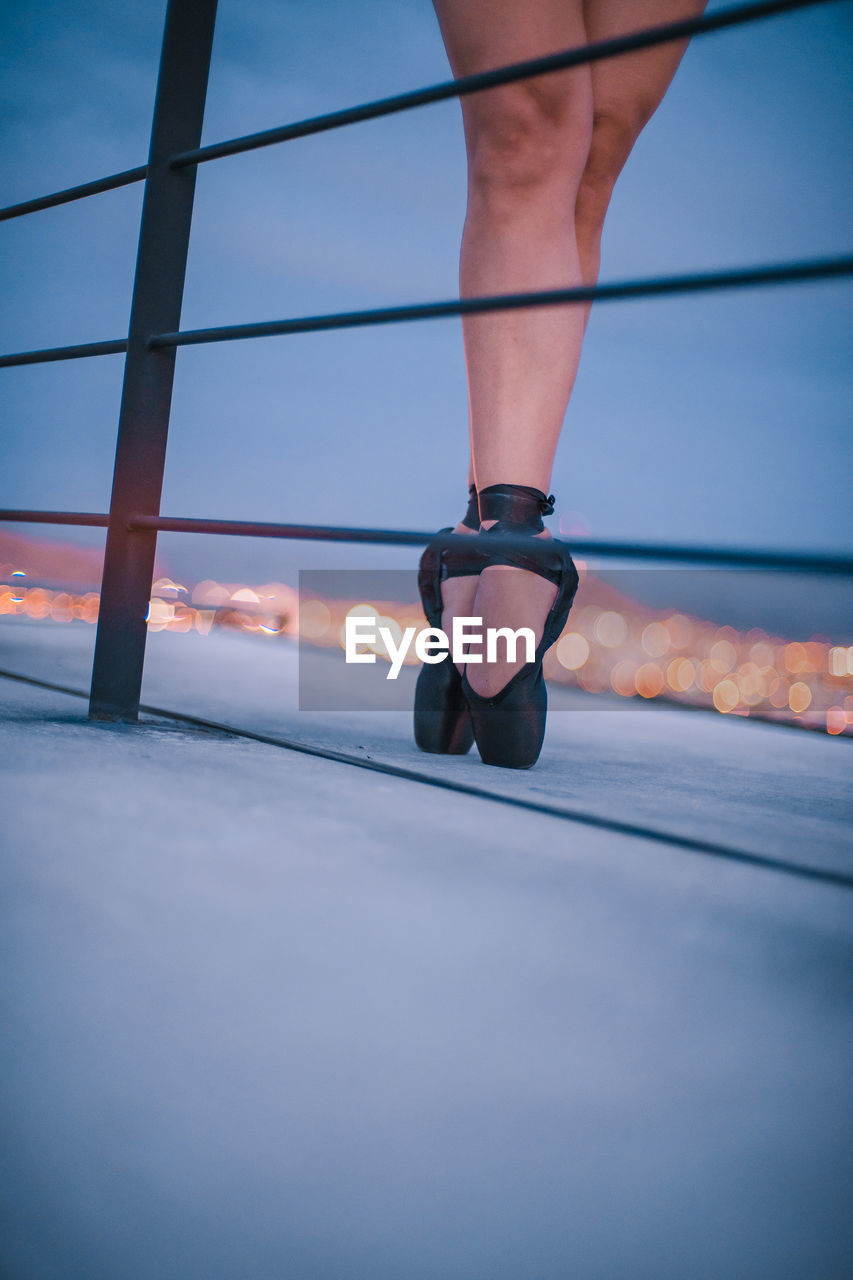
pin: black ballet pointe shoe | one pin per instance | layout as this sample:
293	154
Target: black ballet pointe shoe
442	721
509	726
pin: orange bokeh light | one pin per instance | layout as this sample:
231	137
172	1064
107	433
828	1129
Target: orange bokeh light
649	680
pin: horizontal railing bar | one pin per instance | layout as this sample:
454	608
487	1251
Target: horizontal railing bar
80	192
718	21
300	532
790	560
80	352
703	282
795	561
781	273
93	518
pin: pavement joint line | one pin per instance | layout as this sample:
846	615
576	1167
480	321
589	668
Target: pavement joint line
764	862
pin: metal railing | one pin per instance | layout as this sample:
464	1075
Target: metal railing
154	331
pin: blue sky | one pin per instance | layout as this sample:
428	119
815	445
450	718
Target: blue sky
720	419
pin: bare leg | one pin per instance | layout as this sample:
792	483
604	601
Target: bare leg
543	157
527	145
626	92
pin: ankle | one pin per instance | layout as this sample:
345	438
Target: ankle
514	508
471	519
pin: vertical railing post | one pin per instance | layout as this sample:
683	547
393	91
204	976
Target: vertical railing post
148	375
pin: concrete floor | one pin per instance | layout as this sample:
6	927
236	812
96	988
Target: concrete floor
271	1015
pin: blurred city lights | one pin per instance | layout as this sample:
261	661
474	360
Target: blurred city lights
612	645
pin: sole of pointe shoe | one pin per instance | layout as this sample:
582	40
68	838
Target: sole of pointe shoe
442	720
509	728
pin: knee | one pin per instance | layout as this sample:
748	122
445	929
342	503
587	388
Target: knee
526	141
613	136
